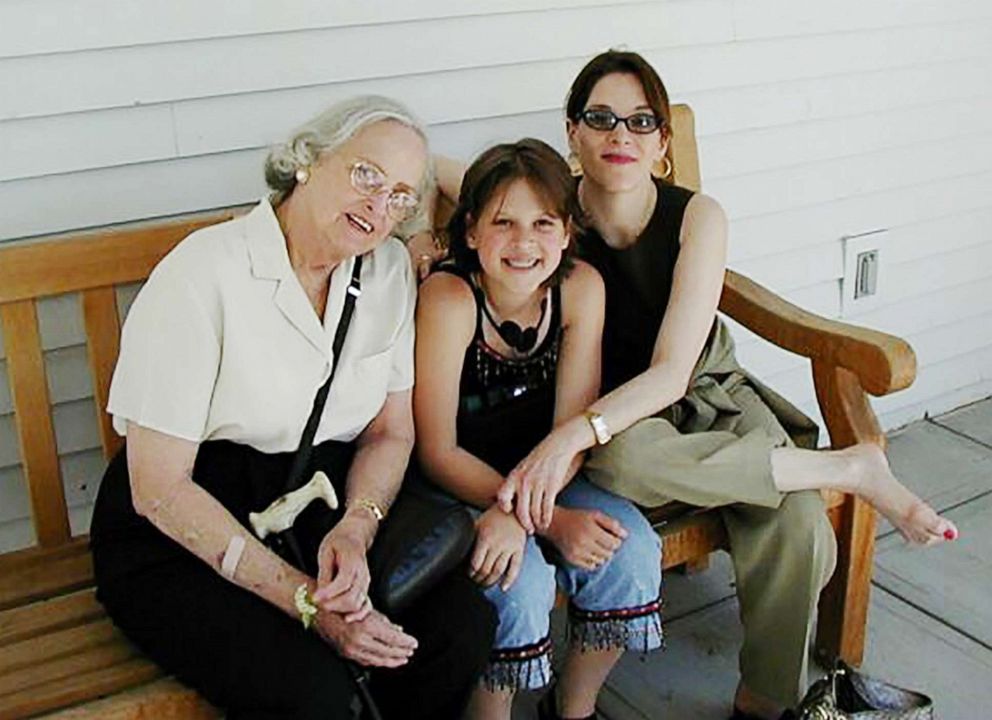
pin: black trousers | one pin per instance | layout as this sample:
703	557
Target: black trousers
242	653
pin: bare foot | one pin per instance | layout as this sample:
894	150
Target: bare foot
912	517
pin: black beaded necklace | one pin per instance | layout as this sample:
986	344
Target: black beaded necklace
520	339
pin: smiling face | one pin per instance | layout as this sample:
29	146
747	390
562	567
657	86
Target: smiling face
518	238
617	160
347	221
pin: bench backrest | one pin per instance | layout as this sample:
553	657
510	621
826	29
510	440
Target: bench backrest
94	263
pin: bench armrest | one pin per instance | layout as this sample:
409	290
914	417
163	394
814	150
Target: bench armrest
883	363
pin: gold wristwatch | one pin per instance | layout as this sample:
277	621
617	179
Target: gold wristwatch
599	428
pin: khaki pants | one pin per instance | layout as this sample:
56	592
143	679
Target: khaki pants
782	545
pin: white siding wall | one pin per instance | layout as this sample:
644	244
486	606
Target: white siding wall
816	120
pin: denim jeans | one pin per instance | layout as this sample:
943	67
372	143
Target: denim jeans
614	606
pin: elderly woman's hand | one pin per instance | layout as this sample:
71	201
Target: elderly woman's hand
373	640
425	250
343	570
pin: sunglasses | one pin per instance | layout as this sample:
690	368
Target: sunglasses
640	123
370	180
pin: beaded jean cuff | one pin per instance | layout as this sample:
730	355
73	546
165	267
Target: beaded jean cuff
636	628
527	667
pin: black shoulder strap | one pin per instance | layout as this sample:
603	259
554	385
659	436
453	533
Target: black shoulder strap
303	452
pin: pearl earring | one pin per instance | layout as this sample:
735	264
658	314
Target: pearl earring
302	175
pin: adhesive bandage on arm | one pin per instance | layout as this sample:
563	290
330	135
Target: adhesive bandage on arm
232	556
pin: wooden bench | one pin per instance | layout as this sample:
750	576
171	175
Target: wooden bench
60	654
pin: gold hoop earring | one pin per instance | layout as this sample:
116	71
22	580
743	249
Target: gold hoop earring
666	168
302	175
574	166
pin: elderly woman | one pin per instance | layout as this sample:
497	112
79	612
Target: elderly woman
221	357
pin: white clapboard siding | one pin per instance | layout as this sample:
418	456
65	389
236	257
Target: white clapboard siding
906	251
219	125
772	18
816	121
20	533
814	183
81	472
807	226
46	84
56	26
743	152
782	103
939	388
929	309
814	56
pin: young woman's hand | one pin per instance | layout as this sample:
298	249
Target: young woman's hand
343	570
499	548
425	250
585	538
372	641
533	485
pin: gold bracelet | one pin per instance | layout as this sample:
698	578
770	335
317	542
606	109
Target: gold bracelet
305	605
371	505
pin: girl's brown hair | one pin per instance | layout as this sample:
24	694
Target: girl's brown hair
530	160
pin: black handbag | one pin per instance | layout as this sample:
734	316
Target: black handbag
426	535
846	694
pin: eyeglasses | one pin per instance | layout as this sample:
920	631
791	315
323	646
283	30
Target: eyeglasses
640	123
369	179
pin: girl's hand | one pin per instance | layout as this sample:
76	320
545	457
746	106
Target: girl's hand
585	538
533	485
343	571
373	640
499	548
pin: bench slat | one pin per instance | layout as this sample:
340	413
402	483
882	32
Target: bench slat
95	658
682	150
40	573
36	619
103	330
163	699
29	389
81	687
59	644
97	259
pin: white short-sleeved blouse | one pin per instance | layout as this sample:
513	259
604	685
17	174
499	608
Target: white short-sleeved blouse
222	342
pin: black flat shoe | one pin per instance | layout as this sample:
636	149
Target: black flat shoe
547	708
741	715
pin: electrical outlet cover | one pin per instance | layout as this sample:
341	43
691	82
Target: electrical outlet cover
855	245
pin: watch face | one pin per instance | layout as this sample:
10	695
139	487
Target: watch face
599	427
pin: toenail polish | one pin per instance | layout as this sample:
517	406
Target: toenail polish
950	534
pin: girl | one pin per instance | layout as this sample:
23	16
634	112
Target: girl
508	346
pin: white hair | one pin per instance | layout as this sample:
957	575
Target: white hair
333	128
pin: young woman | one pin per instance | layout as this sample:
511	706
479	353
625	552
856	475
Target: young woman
508	346
687	423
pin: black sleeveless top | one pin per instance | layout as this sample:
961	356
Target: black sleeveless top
506	406
638	282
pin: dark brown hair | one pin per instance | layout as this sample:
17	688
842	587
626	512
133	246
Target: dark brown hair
492	172
619	61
